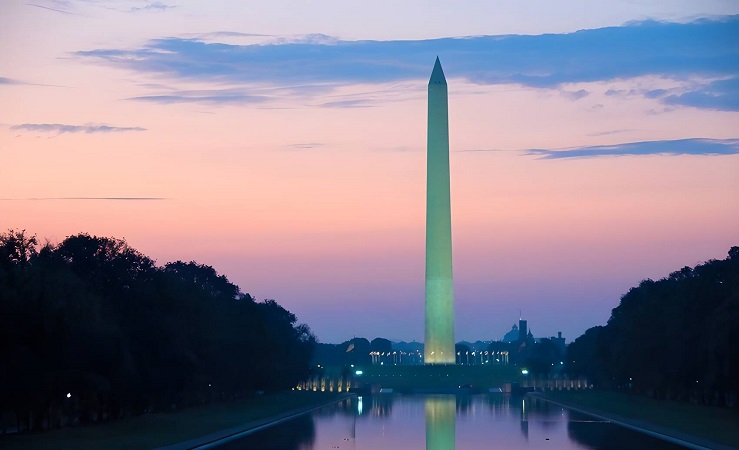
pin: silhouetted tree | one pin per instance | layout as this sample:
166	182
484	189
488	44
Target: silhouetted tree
672	338
542	357
93	330
381	345
357	351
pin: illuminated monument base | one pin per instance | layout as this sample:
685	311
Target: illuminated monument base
439	338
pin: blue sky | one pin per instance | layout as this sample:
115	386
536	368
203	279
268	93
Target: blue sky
665	147
593	144
703	55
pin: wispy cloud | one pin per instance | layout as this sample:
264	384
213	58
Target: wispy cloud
217	34
703	147
152	6
357	103
303	39
231	37
11	81
229	96
206	99
577	95
704	49
306	145
720	95
204	96
63	128
61	8
609	132
76	7
91	198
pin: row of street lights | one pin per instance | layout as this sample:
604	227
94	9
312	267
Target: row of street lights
482	357
478	357
396	357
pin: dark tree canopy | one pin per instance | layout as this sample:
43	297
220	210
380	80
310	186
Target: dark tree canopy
98	320
672	338
381	345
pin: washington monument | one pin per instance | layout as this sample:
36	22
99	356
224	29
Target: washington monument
439	339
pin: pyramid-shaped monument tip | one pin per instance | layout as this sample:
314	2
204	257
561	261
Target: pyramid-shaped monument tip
437	75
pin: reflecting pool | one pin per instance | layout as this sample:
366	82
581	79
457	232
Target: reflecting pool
446	422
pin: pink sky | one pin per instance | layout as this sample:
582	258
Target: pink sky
322	208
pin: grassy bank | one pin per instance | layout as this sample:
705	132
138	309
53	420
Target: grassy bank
157	430
673	418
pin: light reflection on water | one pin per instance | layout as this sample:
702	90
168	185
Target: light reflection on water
446	422
441	419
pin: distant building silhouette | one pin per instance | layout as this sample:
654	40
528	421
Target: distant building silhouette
511	336
560	342
522	330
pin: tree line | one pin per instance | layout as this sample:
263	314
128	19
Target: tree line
355	351
541	357
675	338
91	329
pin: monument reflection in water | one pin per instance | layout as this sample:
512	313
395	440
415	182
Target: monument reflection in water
446	422
441	422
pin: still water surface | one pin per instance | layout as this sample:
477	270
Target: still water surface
446	422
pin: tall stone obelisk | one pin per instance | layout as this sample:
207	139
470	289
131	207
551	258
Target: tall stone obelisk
439	339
